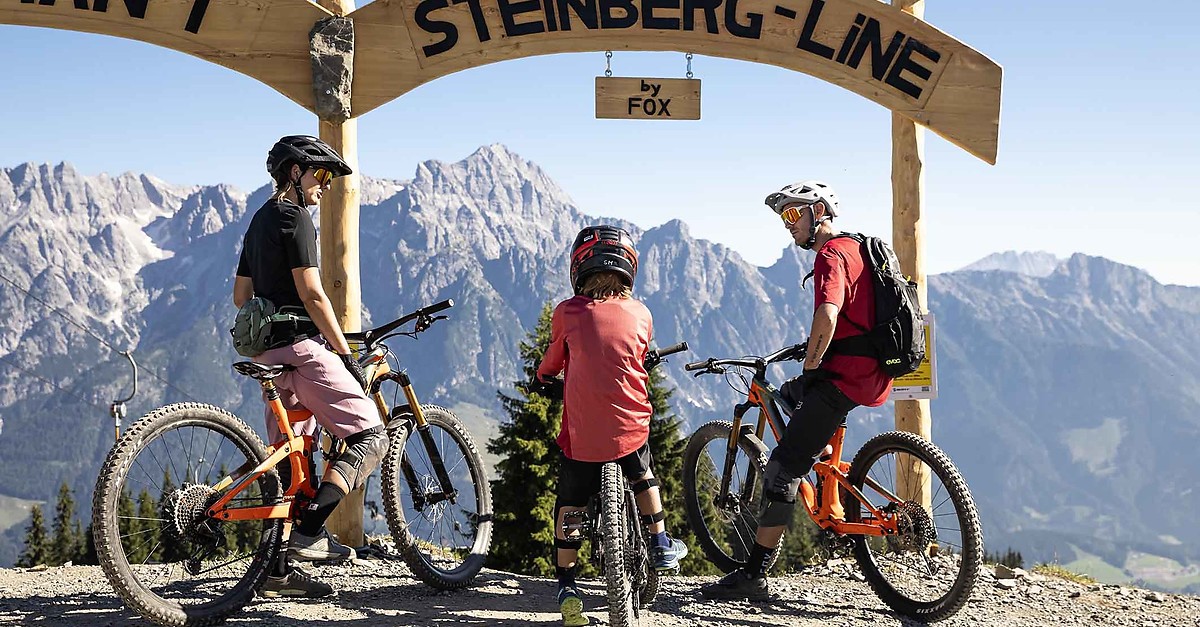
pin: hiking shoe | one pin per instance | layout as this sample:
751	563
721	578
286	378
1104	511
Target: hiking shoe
667	558
571	607
318	548
737	585
297	584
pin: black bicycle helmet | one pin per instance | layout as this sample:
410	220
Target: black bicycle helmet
601	248
307	152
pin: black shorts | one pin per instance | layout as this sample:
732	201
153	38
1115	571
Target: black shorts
578	481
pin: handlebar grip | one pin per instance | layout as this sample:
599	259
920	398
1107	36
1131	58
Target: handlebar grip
671	350
696	365
436	307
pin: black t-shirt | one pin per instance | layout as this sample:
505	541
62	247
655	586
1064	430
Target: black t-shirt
281	237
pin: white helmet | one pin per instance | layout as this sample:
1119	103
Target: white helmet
808	192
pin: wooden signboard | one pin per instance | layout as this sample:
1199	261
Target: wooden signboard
873	49
622	98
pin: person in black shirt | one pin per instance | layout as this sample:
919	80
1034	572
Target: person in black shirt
279	262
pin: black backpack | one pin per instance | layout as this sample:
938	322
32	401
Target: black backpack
898	338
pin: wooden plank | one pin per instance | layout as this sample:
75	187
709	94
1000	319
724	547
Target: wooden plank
625	98
263	39
871	48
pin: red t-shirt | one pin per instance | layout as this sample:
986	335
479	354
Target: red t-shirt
840	278
599	345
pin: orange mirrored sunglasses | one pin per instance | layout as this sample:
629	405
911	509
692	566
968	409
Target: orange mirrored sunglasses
323	176
792	214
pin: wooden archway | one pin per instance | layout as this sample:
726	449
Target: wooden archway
883	52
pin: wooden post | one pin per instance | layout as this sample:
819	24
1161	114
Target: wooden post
908	207
340	267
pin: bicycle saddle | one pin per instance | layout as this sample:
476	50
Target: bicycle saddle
262	372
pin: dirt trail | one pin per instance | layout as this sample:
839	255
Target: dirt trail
379	594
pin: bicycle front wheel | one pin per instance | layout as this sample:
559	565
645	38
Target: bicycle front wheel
929	568
615	542
725	523
165	558
443	532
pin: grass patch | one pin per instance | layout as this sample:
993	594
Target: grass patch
1057	570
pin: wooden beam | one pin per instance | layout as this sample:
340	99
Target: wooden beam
908	240
340	268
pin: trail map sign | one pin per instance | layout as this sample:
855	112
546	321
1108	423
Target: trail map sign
647	98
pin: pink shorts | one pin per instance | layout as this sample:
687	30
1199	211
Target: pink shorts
321	384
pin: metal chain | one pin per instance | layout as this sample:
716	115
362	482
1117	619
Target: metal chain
608	62
689	65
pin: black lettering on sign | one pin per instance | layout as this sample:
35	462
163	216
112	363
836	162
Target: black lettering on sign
850	36
737	29
81	4
585	10
436	27
880	59
710	14
508	14
905	63
610	20
551	21
654	107
481	29
785	12
196	17
810	24
649	20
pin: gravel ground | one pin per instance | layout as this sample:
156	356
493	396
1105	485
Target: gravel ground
382	593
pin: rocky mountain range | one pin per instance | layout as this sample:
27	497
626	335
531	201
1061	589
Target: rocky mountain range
1069	388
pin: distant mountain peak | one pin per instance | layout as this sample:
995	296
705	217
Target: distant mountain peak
1035	263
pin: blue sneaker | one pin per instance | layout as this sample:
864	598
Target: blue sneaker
667	558
571	607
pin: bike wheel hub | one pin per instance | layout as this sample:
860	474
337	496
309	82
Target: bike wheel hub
184	509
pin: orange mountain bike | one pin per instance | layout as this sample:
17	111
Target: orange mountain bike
188	511
901	506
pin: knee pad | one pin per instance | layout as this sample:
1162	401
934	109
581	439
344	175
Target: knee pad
779	496
642	485
364	451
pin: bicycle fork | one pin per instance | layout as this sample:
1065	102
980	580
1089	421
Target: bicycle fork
420	496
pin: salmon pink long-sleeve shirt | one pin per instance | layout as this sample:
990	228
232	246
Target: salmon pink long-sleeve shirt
600	345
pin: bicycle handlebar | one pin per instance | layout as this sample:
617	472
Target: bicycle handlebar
713	365
423	314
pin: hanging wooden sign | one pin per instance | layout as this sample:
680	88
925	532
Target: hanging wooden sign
623	98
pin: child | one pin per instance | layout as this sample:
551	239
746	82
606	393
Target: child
599	339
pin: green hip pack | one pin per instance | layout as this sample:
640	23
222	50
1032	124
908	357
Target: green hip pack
259	327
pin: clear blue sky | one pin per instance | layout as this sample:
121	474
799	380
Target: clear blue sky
1099	143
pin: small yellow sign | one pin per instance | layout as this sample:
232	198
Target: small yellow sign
622	98
921	383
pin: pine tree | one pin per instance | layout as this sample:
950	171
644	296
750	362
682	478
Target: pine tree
666	447
173	549
66	540
37	549
128	526
146	544
524	488
87	553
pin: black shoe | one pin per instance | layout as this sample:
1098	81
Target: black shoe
297	583
737	585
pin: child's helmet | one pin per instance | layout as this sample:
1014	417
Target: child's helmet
603	248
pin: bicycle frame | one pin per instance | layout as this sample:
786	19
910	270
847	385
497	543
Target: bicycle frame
298	449
827	511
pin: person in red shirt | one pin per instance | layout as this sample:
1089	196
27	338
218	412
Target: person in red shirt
832	384
598	340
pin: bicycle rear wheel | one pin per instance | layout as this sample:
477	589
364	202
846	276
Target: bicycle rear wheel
615	542
724	524
166	559
928	570
443	538
642	577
